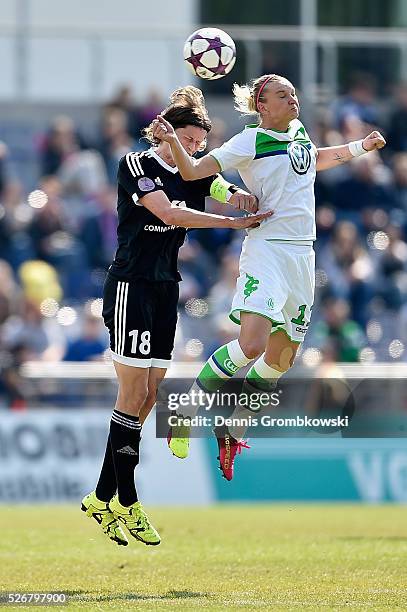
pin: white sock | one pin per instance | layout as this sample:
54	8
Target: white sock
259	375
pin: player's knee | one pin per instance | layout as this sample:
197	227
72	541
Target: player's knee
285	359
252	347
132	397
150	399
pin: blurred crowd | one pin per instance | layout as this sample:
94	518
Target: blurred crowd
57	239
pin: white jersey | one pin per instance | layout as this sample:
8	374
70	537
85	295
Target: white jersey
279	168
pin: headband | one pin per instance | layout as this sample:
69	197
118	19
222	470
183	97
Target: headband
260	90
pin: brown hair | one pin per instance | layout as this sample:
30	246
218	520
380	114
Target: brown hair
246	96
186	107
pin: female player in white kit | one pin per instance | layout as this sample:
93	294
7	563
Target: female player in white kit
275	289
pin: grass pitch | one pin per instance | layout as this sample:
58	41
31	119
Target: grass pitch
269	557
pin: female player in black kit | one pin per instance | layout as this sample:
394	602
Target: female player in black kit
155	205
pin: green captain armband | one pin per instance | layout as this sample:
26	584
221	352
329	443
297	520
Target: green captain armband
221	190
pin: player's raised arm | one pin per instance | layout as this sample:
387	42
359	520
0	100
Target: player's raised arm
190	168
329	157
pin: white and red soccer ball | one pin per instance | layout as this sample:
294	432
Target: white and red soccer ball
210	53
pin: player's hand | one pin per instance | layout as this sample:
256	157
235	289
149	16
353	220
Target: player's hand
250	220
162	130
373	141
244	201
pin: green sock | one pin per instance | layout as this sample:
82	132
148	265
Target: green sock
219	368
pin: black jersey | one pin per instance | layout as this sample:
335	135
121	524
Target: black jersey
148	248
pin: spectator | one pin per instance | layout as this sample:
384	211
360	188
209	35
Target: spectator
391	269
39	282
349	269
81	171
152	106
4	167
98	233
49	227
397	125
60	142
53	235
399	163
116	140
367	187
91	343
359	103
82	175
338	330
124	100
197	271
29	333
9	292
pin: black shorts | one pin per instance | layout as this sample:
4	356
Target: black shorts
141	317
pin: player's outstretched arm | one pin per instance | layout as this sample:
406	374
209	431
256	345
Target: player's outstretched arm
190	168
330	157
161	207
225	192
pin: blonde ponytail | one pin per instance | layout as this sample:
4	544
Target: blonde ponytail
244	101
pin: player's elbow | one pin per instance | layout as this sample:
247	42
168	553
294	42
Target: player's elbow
168	216
189	174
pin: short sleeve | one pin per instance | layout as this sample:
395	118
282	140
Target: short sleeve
136	176
236	152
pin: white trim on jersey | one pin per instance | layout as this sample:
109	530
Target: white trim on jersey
131	361
136	160
172	169
135	199
160	363
128	158
120	317
134	164
124	313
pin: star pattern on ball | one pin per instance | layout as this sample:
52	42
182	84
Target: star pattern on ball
221	68
216	44
195	60
213	46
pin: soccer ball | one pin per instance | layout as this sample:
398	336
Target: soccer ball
210	53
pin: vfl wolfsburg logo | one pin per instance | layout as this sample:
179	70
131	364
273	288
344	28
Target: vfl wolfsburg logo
300	157
250	286
230	366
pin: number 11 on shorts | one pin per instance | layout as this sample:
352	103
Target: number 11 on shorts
144	346
300	320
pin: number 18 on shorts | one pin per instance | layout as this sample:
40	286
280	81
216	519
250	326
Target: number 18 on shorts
141	317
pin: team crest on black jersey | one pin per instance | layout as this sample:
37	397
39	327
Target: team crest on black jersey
300	157
145	184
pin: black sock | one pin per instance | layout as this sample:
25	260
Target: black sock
125	433
107	485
